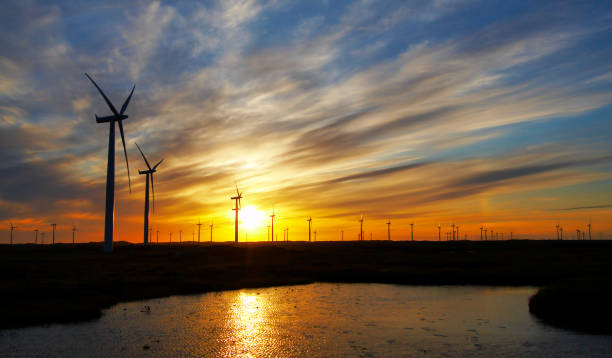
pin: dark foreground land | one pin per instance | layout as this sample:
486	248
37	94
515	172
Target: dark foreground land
64	283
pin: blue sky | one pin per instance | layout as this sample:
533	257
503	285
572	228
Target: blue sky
479	112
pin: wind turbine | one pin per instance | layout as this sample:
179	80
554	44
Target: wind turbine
36	236
149	177
42	238
309	226
53	225
457	228
157	235
389	229
199	224
272	217
73	231
237	209
561	233
453	226
481	233
360	229
439	236
412	231
342	235
315	238
110	168
589	225
557	226
485	230
212	224
12	228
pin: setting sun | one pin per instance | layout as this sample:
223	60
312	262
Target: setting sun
252	218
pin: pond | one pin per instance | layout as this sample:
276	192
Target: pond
316	320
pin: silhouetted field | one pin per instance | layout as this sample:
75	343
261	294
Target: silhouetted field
65	283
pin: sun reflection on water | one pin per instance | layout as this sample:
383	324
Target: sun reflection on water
247	325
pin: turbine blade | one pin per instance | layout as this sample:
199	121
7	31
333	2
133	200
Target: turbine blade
127	164
143	156
127	101
155	167
153	191
108	102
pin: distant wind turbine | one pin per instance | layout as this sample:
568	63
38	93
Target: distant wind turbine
12	228
309	226
315	237
212	224
389	229
457	228
148	177
74	229
481	233
110	168
53	225
272	217
557	226
42	238
199	224
237	209
360	228
439	235
36	236
589	225
485	230
411	231
157	235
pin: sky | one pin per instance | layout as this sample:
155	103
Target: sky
473	113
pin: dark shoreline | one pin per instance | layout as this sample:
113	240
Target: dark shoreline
41	284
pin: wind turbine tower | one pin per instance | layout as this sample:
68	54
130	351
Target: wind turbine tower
411	231
36	236
439	233
557	226
110	168
453	227
149	177
389	229
589	225
485	230
212	224
272	217
237	209
360	229
73	231
53	225
12	228
457	228
199	224
309	226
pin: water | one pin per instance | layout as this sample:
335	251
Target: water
317	320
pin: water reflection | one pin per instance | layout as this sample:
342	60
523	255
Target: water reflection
246	325
318	320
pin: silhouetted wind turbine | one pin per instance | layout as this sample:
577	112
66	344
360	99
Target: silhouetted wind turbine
315	238
389	229
557	226
561	233
589	225
12	228
272	217
149	177
110	169
199	224
360	228
485	230
42	238
439	234
73	231
212	224
577	234
237	209
36	236
457	228
411	231
53	225
309	226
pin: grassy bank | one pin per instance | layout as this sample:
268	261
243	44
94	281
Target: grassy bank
64	283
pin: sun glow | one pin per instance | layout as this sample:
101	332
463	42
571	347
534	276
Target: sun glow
252	218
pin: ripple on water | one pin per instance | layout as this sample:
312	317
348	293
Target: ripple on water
317	320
